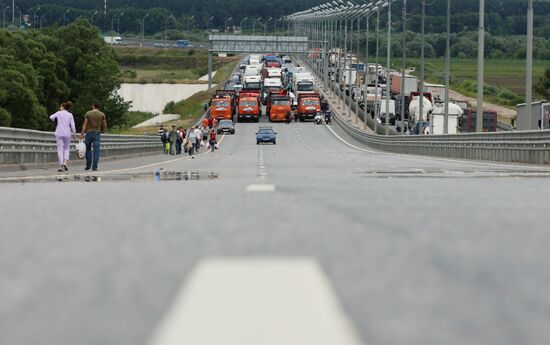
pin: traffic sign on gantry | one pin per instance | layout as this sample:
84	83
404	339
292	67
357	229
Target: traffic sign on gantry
258	44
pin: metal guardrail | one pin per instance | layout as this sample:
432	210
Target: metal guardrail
531	147
22	146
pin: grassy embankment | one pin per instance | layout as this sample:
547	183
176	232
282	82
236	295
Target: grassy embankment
184	66
504	78
192	108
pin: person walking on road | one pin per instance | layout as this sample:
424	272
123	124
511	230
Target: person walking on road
95	123
287	117
198	138
179	141
213	140
192	138
64	130
173	137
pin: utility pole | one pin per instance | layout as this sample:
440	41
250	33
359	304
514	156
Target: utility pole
447	69
421	89
480	66
529	68
403	66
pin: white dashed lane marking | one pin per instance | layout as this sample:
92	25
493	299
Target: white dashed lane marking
253	301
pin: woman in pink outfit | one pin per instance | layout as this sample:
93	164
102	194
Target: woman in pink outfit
63	132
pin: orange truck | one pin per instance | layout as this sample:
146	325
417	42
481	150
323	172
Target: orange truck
248	106
221	108
309	105
278	104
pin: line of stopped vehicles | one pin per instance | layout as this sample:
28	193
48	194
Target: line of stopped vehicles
269	85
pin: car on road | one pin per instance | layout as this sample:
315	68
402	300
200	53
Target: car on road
226	126
266	134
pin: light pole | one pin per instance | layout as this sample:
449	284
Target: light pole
118	23
367	71
208	21
265	25
254	25
447	70
403	66
188	20
34	17
529	68
166	30
4	16
93	14
65	14
241	24
13	11
225	24
388	65
143	29
480	66
421	87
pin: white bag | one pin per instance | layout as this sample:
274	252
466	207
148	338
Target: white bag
81	149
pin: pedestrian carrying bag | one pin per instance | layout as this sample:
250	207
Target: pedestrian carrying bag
81	149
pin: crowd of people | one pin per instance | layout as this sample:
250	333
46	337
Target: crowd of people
180	140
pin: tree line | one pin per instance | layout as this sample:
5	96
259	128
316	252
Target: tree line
503	17
42	68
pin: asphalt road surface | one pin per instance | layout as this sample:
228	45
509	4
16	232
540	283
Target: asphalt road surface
415	250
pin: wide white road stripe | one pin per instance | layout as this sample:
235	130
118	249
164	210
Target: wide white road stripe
261	188
241	301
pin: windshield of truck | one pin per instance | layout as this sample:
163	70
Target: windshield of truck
310	102
280	102
305	87
253	85
220	103
248	103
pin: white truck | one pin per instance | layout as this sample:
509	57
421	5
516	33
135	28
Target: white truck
251	71
112	40
271	84
303	82
252	82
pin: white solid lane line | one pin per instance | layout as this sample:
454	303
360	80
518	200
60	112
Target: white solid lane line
261	188
256	301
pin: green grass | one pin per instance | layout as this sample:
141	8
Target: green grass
192	108
504	78
154	65
131	119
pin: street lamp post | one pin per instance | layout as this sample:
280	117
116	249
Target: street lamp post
143	29
241	24
403	66
225	24
93	14
34	17
118	23
4	16
421	88
529	68
447	70
480	66
188	20
166	30
388	65
208	21
265	25
65	15
254	25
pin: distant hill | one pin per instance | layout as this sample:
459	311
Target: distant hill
503	17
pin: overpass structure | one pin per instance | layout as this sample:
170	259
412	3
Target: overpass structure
243	44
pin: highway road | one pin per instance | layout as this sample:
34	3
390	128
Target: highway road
397	249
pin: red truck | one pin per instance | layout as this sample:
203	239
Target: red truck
248	106
309	105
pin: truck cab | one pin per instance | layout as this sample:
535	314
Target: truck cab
249	106
303	82
278	104
221	108
309	105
